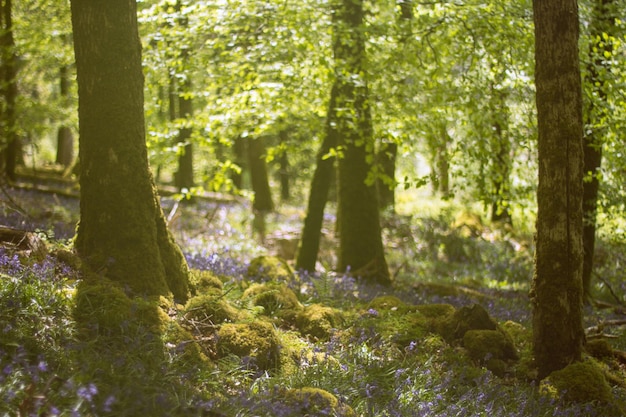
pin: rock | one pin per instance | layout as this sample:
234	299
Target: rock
318	321
309	401
256	342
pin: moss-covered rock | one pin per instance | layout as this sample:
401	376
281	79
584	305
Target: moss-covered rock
296	354
270	268
388	302
599	348
277	300
206	281
492	348
580	382
318	321
185	351
211	307
312	402
256	341
475	317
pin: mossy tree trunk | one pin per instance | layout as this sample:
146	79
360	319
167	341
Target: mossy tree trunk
360	248
9	142
122	232
318	194
602	22
556	293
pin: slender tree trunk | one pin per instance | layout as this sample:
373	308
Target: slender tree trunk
258	176
556	293
283	173
602	21
240	149
386	188
122	232
184	175
10	148
65	138
500	176
318	194
360	248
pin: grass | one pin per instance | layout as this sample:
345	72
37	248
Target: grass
374	362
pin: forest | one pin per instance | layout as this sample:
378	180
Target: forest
315	208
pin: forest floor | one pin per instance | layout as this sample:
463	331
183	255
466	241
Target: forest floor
451	337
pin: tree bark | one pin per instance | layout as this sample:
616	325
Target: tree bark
258	176
8	122
556	293
387	161
602	21
360	248
121	233
65	138
318	194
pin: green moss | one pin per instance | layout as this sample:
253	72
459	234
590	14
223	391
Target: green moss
257	340
318	321
101	307
311	401
475	317
276	299
435	311
388	302
580	382
270	268
205	281
296	354
211	307
185	352
492	348
599	348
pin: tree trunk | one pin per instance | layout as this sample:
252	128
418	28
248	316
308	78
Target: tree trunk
386	187
318	195
184	175
556	292
602	21
283	173
240	149
8	86
122	232
258	176
65	138
501	171
360	248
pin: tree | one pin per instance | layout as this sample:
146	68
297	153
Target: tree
318	194
122	232
556	291
600	51
360	247
8	87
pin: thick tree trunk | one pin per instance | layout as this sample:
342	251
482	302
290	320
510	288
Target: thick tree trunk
360	249
603	21
8	85
556	292
122	232
318	195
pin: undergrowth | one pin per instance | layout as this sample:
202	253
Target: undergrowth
53	364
